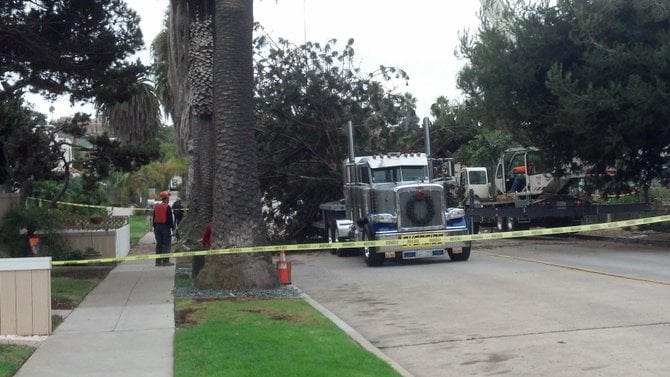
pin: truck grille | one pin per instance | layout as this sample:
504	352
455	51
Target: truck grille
420	208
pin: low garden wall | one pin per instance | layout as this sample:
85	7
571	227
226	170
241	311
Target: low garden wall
110	243
25	296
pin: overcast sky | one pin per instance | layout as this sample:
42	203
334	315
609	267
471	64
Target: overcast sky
418	36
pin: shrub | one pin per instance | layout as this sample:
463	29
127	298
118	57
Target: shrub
76	193
19	224
659	197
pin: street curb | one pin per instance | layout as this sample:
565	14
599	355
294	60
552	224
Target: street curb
644	241
33	341
358	338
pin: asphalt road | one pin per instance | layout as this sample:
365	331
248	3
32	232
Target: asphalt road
551	307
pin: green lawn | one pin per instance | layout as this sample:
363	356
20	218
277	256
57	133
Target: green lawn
139	226
68	292
12	357
270	337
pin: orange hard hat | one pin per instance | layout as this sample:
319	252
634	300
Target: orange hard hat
164	195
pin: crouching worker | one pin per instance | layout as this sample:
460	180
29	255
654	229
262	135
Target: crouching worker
163	224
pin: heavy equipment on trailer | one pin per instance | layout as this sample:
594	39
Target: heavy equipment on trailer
525	193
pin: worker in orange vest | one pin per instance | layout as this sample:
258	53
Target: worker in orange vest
163	224
519	182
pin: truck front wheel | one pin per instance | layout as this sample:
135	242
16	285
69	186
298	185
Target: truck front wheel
372	258
459	257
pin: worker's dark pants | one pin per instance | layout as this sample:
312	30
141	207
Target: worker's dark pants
519	183
163	235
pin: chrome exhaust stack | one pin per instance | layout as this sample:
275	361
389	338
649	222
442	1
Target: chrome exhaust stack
426	135
350	135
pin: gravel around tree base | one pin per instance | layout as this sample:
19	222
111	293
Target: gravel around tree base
286	291
281	292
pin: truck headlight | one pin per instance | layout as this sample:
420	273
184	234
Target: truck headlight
384	218
454	213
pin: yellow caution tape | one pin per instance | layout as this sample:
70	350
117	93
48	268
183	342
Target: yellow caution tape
419	241
97	206
90	205
75	204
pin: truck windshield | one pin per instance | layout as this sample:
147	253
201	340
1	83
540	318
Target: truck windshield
386	175
400	174
477	177
414	173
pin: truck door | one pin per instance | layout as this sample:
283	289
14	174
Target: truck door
499	178
504	176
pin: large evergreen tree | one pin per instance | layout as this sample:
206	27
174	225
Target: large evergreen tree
30	148
586	79
57	47
68	47
305	95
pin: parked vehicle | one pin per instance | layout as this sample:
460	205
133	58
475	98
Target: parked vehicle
390	197
335	223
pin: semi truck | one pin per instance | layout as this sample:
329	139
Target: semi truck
390	197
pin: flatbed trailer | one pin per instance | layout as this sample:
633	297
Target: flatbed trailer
547	212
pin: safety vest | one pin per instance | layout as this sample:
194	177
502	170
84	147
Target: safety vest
161	213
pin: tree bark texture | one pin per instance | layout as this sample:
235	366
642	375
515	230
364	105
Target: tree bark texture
237	217
190	57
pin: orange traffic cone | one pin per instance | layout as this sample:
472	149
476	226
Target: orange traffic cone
283	269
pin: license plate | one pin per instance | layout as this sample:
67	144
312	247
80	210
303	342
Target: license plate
416	254
456	250
424	254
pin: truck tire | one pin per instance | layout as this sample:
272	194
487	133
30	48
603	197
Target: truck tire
459	257
372	259
501	224
512	223
523	226
329	237
473	226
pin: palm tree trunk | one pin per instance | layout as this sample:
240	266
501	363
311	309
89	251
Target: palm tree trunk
189	54
202	157
237	219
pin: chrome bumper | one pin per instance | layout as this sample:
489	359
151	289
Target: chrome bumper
422	241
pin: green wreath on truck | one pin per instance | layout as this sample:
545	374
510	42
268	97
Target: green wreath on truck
430	209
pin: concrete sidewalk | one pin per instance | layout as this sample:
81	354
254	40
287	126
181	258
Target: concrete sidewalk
124	327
